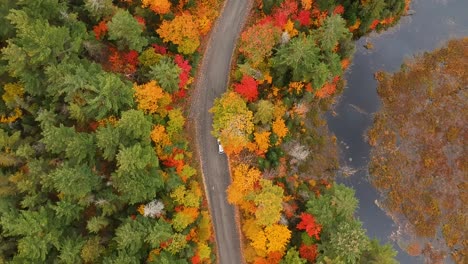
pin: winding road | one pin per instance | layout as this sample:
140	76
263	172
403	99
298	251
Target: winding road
211	83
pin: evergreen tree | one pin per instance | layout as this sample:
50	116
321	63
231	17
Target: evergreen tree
95	92
137	177
36	44
134	125
67	211
7	29
379	254
75	182
302	59
160	231
108	141
126	30
332	32
70	250
166	73
369	12
99	8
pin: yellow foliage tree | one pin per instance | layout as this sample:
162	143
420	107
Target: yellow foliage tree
250	228
280	129
182	219
273	238
13	92
259	243
269	203
232	122
263	141
278	237
280	109
151	98
188	198
161	139
182	31
204	251
244	179
204	226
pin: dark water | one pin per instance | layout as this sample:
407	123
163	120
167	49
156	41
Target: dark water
434	22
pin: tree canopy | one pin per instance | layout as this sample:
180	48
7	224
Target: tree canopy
93	145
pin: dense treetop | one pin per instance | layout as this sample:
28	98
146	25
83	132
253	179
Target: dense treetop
95	166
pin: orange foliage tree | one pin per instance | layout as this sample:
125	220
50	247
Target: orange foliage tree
100	30
161	139
263	141
158	6
306	4
258	41
205	12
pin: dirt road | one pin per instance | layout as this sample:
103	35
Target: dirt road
212	82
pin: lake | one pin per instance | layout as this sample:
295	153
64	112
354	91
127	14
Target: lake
431	25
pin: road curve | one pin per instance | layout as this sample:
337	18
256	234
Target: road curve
211	83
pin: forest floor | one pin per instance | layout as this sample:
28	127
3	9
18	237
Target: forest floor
211	83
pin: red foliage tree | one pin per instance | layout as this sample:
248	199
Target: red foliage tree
185	70
309	225
247	88
304	18
289	7
374	24
308	252
281	14
131	58
280	18
184	76
339	9
100	30
114	59
159	49
267	20
140	21
196	259
123	62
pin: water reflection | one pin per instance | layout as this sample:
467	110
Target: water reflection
431	25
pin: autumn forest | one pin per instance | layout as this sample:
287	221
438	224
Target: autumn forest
98	157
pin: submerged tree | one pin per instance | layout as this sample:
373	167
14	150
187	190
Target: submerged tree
418	147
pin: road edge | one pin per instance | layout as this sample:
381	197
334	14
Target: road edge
193	116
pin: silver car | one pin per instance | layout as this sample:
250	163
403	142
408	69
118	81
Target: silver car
220	148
